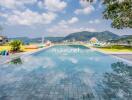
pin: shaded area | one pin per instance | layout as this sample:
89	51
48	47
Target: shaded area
16	61
117	85
125	56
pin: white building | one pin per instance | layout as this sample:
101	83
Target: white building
3	40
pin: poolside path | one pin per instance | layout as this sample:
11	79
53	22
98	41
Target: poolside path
5	59
124	56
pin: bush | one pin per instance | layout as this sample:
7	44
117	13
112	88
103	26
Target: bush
15	45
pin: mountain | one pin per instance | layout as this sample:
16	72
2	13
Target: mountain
78	36
27	40
54	39
123	39
85	36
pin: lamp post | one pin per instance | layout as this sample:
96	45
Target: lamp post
42	39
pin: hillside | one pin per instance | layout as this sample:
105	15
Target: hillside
54	39
123	39
85	36
78	36
27	40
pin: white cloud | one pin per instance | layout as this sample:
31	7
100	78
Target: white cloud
64	29
84	3
96	21
53	5
13	4
65	23
73	20
29	17
85	10
86	7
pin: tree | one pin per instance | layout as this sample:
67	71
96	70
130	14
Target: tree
119	11
15	45
129	42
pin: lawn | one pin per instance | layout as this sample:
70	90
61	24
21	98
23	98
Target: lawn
7	47
116	48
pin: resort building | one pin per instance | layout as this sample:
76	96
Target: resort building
93	40
3	40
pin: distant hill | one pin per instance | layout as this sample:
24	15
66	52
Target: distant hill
123	39
85	36
78	36
54	39
27	40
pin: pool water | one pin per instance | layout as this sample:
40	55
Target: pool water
71	72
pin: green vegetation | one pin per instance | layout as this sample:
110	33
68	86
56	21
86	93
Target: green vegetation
117	48
16	61
117	81
86	36
119	11
127	39
15	45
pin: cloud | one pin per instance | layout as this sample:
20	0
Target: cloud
53	5
65	23
84	3
96	21
13	4
73	20
86	7
71	59
44	62
29	17
85	10
67	29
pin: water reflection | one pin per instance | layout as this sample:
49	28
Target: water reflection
117	85
39	84
16	61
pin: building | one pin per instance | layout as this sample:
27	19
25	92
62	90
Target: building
93	40
3	40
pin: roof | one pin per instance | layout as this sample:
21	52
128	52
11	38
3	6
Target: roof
3	37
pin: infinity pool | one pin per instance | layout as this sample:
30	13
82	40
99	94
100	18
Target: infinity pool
71	72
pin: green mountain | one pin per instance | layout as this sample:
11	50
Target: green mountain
123	39
78	36
85	36
54	39
27	40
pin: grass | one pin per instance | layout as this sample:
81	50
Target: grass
117	48
7	47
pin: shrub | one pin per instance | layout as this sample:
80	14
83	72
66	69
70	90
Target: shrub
15	45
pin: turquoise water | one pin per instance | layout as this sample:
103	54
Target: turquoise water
66	73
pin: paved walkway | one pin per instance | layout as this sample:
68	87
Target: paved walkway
125	56
5	59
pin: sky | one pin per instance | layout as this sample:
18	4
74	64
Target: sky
37	18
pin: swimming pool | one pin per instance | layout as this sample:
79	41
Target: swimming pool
72	72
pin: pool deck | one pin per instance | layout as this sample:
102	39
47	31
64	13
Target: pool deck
124	56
